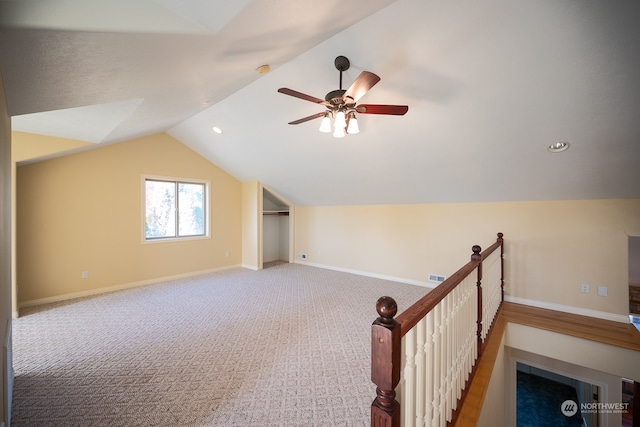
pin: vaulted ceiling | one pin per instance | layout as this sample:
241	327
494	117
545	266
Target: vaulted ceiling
489	85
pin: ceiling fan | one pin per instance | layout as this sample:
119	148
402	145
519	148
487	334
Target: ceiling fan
341	104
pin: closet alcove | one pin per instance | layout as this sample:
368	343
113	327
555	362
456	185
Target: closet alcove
275	229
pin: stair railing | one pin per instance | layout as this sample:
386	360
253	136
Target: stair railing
423	359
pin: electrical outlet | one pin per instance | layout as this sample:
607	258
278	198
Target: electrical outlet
302	256
602	291
584	288
85	274
227	254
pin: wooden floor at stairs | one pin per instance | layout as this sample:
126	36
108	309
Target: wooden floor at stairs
599	330
605	331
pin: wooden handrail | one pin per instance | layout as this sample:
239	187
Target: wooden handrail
497	244
412	315
387	332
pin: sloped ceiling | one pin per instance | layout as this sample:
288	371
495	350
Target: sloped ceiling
489	86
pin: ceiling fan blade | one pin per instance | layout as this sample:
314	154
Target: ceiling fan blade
306	119
396	110
301	95
360	86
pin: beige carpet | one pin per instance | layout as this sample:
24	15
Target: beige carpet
285	346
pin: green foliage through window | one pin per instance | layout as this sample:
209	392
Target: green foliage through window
174	209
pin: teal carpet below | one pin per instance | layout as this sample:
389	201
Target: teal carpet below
539	402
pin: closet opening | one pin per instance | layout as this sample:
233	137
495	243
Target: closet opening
276	230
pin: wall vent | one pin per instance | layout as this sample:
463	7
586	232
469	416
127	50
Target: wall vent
436	278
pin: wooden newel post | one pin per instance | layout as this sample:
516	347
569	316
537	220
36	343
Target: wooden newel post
501	241
475	256
385	364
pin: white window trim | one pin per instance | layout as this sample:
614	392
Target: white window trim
143	204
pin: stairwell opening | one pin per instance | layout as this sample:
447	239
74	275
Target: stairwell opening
598	395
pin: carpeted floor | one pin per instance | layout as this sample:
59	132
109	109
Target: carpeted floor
285	346
539	402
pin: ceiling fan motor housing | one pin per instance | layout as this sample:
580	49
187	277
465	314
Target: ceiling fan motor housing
335	96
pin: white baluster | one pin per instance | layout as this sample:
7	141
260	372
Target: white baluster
444	362
409	371
420	372
429	375
437	363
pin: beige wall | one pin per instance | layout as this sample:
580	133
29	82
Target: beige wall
551	246
27	146
83	212
252	225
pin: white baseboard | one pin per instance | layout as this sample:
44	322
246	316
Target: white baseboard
98	291
534	303
367	274
569	309
250	267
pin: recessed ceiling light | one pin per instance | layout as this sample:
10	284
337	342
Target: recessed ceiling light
558	147
217	130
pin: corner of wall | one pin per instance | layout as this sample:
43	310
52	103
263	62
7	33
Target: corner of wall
5	255
251	224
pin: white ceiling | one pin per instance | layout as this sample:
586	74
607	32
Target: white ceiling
489	86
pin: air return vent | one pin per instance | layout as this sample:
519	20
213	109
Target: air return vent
436	278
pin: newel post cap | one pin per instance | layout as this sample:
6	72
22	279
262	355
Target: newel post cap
476	249
386	308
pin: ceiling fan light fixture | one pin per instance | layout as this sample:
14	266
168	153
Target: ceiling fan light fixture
341	121
339	125
325	125
352	126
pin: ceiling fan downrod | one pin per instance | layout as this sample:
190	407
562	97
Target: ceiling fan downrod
335	96
342	64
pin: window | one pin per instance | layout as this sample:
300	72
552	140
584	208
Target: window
175	209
